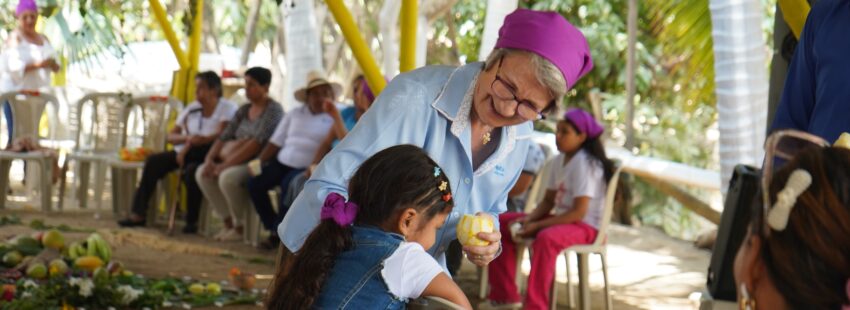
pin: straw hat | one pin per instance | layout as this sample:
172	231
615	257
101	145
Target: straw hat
316	78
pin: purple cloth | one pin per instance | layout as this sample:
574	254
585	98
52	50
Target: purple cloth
366	90
335	207
552	37
584	122
24	6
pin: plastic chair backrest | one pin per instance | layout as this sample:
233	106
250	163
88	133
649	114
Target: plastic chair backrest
537	191
98	120
610	196
27	109
156	112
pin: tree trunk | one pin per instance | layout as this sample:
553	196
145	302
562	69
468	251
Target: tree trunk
496	12
631	25
210	33
741	83
250	30
303	47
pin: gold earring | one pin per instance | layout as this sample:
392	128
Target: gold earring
746	302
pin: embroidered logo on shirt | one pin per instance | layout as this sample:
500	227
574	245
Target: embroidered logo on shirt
500	171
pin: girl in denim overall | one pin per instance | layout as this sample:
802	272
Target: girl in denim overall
369	252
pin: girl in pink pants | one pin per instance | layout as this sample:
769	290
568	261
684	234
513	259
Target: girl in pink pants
576	193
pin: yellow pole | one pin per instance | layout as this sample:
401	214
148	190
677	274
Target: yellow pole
795	13
194	51
409	14
170	36
358	45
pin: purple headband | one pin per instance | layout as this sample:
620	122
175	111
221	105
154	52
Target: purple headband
335	207
584	122
364	87
24	6
549	35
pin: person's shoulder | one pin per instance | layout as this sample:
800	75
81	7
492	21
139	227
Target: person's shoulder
428	77
828	12
193	105
226	103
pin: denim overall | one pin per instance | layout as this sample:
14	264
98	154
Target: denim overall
355	282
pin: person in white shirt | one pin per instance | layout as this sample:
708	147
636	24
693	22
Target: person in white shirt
292	147
369	250
196	128
576	192
27	59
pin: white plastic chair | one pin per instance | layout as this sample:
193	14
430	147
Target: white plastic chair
27	109
98	121
583	252
149	130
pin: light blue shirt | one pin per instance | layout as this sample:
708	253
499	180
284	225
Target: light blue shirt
429	108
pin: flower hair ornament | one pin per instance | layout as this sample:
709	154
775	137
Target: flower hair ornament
798	182
336	208
443	185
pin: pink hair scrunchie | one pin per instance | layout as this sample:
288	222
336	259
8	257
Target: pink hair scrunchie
336	208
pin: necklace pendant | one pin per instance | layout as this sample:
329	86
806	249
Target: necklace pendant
486	138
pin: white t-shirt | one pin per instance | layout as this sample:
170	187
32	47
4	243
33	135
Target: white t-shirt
193	122
14	58
409	270
299	135
582	176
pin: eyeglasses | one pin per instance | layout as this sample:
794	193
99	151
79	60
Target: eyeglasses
780	147
504	91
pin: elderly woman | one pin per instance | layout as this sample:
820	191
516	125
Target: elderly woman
28	58
474	120
223	174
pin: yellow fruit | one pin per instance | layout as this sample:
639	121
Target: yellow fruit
12	258
88	262
57	267
843	141
469	227
53	239
37	271
213	289
197	289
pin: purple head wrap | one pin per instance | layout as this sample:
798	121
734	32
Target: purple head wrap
335	207
549	35
584	122
24	6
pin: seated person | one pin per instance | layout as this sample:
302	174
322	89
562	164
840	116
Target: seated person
196	128
363	98
224	172
796	254
576	191
292	146
370	252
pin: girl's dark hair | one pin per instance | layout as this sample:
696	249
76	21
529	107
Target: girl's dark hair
594	147
390	181
809	261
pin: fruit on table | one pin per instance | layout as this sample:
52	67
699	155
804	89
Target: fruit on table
57	267
88	263
75	250
27	245
213	289
242	280
197	289
8	292
469	227
37	271
12	258
53	239
137	154
115	268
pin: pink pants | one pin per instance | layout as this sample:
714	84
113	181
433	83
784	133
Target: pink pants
548	243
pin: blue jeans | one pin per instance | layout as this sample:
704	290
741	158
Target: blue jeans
273	174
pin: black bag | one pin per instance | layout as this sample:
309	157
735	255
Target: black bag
743	190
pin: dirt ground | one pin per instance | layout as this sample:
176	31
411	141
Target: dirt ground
647	269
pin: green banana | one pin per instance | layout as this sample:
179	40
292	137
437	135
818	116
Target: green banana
103	250
91	247
73	250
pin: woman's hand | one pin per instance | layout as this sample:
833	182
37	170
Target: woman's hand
49	64
483	255
209	169
329	107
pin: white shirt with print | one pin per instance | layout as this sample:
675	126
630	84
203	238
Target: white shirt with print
582	176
